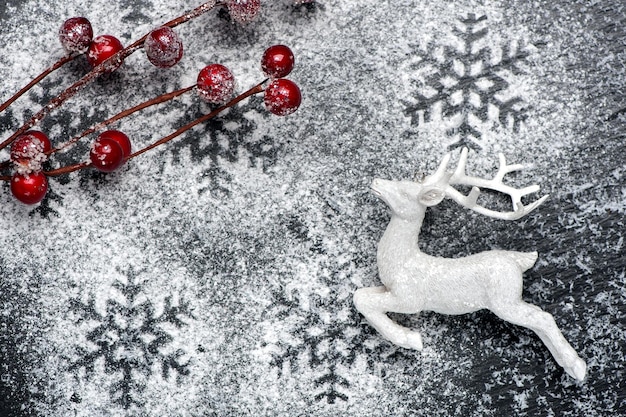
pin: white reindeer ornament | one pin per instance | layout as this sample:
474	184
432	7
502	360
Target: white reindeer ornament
414	281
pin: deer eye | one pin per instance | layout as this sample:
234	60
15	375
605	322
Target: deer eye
431	194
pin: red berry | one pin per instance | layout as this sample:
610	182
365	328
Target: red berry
243	11
29	188
277	61
163	47
216	84
27	151
76	34
29	144
47	146
282	97
102	48
120	138
106	154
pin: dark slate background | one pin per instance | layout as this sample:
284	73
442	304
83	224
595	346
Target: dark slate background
214	276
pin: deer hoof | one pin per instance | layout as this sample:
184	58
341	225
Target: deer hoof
577	370
413	340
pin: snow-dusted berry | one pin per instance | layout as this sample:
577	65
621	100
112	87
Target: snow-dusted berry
106	154
216	84
243	11
282	97
28	151
102	48
76	34
29	188
277	61
164	47
121	138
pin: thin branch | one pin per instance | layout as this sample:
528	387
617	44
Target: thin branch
67	169
37	79
254	90
75	167
157	100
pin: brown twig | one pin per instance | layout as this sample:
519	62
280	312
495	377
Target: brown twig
254	90
37	79
157	100
67	169
75	167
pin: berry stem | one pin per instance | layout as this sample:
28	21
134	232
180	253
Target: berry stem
67	169
254	90
203	8
75	167
37	79
113	61
157	100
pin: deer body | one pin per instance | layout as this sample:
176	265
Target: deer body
468	284
414	281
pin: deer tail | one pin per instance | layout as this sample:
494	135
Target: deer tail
525	260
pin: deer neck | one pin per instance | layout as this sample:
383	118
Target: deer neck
400	238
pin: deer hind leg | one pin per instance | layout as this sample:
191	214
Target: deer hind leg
374	303
543	324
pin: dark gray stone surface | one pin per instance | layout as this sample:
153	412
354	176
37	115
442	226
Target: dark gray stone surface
214	275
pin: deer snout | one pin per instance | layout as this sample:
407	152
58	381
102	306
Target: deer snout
379	187
375	187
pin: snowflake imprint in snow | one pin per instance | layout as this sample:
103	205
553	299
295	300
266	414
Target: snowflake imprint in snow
467	88
130	340
227	139
320	338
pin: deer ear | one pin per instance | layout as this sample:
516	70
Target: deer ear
431	196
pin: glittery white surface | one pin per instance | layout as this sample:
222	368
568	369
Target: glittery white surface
214	275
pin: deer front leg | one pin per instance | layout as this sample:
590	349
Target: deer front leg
373	303
543	324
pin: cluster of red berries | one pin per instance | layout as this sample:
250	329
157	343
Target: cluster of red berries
282	96
163	47
216	83
28	152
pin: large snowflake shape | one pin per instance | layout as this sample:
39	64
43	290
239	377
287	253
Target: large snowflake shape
227	139
311	330
466	86
130	339
320	338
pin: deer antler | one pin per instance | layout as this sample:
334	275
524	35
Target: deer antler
470	201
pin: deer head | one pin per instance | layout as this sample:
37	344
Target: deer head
409	199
